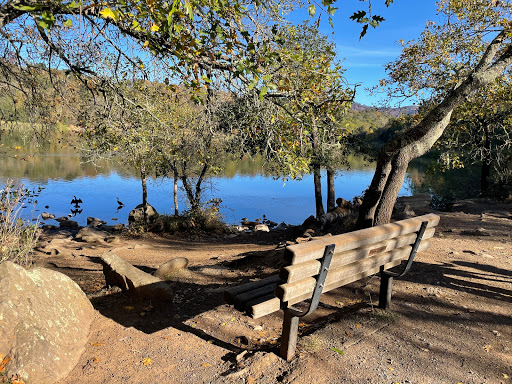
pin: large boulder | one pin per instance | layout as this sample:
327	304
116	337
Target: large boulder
136	215
135	281
171	269
44	323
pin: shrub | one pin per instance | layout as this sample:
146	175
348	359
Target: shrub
17	237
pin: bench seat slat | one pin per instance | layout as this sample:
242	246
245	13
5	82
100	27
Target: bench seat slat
306	269
288	291
270	304
313	250
263	306
241	299
230	293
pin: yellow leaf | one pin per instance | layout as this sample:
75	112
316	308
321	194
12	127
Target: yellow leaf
358	325
487	348
107	13
97	344
155	28
4	363
206	365
146	43
127	307
147	361
167	338
505	376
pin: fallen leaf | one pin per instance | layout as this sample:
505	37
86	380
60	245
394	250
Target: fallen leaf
167	338
250	380
97	344
142	313
340	303
505	376
358	325
348	333
147	361
4	363
391	368
337	350
206	365
129	307
487	348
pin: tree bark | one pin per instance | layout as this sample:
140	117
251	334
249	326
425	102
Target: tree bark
331	193
175	190
395	156
143	179
317	177
486	162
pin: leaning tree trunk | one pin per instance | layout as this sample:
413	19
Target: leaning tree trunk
331	195
395	156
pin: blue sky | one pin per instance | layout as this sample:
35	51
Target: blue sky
364	59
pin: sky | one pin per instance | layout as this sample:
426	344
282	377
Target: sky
364	59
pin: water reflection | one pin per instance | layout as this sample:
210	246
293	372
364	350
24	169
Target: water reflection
244	189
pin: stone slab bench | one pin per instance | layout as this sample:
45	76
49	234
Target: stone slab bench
322	265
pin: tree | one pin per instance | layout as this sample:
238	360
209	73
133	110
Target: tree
476	37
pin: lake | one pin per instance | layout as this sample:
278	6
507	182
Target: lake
58	174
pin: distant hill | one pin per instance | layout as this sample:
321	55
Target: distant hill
394	112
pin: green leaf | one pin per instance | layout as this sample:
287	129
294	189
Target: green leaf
312	10
363	31
337	351
263	92
68	23
358	16
26	8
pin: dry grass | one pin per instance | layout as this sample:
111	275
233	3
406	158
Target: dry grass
17	237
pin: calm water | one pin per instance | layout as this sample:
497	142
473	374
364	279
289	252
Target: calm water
244	191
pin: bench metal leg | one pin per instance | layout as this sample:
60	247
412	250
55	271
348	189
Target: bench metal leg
289	335
386	286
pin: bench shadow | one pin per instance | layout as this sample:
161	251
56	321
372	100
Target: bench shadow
449	275
150	315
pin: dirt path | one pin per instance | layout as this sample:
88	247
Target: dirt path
450	320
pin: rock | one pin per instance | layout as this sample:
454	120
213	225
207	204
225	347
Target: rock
95	222
91	235
62	218
44	323
168	270
112	239
410	206
139	283
68	224
281	227
49	227
137	214
261	228
46	216
113	228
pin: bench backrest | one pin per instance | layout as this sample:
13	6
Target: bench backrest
357	255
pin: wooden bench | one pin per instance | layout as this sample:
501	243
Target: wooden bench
322	265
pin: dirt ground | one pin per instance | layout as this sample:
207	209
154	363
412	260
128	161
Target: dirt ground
450	320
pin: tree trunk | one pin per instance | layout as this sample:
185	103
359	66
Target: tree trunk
317	177
486	162
143	179
331	195
175	190
395	156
